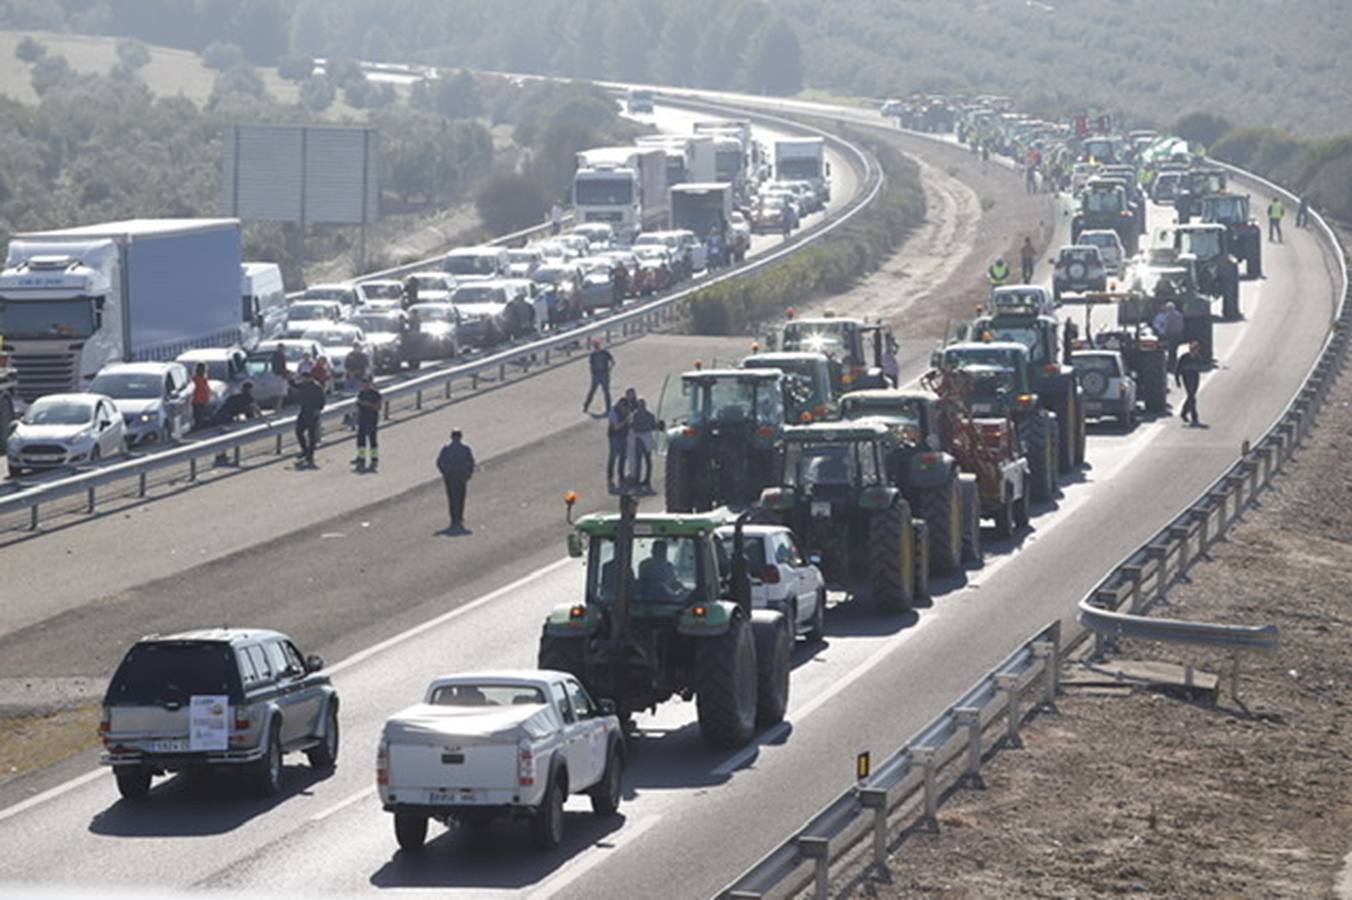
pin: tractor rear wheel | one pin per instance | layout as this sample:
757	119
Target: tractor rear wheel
725	686
1041	452
941	508
1230	297
921	560
774	651
677	484
1066	412
891	558
563	654
969	496
1154	380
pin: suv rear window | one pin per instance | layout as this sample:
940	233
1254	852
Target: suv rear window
154	672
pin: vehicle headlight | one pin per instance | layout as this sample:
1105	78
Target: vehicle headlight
146	418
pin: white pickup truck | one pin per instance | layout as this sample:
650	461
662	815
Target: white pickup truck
486	745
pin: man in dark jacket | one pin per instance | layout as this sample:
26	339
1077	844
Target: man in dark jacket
1188	373
456	464
310	396
600	362
369	405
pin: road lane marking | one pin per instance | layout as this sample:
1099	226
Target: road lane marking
344	804
590	858
51	794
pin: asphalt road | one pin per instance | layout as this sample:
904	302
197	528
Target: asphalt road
366	561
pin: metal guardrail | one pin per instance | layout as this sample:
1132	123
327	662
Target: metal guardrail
918	768
271	437
914	777
1116	608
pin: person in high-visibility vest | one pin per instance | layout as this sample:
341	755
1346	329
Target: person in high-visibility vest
1275	213
998	273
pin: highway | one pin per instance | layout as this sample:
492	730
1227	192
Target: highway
357	569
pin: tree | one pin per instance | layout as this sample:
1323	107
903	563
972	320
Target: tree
221	56
317	93
674	57
295	67
1202	128
774	61
261	27
132	54
49	72
29	50
511	202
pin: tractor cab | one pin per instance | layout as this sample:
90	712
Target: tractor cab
810	394
1226	209
854	349
1102	196
994	375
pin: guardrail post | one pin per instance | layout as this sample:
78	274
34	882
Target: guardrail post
817	849
192	469
279	443
1181	535
417	399
1234	676
90	507
876	800
385	410
448	388
141	486
1134	574
925	757
33	517
502	372
1045	652
1203	518
969	717
1009	686
1253	479
1161	556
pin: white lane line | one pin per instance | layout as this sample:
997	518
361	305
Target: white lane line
344	804
381	647
51	794
736	761
360	656
590	858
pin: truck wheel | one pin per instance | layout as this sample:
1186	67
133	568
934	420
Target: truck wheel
410	831
1154	381
606	795
920	565
941	508
325	755
268	770
1065	437
1230	299
563	654
1041	456
725	686
677	484
817	630
891	558
133	783
774	650
1081	431
970	498
546	828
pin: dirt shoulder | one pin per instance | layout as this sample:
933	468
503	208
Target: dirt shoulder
1139	791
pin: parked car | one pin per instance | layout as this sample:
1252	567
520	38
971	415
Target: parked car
429	287
433	333
600	236
227	370
489	745
153	398
483	312
772	215
336	341
65	430
385	330
1078	269
598	283
1110	248
1109	389
380	293
781	577
214	700
295	350
301	316
654	270
346	294
524	261
468	264
1021	296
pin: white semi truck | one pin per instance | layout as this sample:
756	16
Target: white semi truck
625	187
689	157
72	301
804	159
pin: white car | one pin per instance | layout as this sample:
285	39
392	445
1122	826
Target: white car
1110	248
303	315
1109	389
600	236
227	370
66	430
781	578
1021	296
154	398
431	287
346	294
485	745
336	342
524	262
383	293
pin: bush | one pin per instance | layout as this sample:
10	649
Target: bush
317	93
221	56
511	202
295	67
29	50
132	54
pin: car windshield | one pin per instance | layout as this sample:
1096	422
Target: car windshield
604	191
1103	201
372	323
1107	241
733	400
342	295
986	382
330	337
47	318
1227	209
173	672
663	570
128	385
217	369
478	294
523	256
432	313
815	337
487	694
294	351
472	264
300	312
382	290
753	550
859	406
550	275
258	364
1081	255
820	464
1203	243
978	356
430	283
59	412
1096	363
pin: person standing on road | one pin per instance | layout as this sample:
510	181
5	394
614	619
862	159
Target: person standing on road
321	372
455	462
998	273
1070	333
1303	213
1168	324
369	403
310	396
279	361
201	397
1188	373
1026	257
643	427
306	364
1275	214
617	435
600	362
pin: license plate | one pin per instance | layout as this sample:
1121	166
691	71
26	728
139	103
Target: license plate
174	746
982	409
821	508
451	798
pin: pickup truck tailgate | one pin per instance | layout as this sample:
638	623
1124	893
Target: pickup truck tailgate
447	765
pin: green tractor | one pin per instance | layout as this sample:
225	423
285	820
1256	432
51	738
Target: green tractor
918	462
996	385
836	498
1244	236
1217	270
1056	384
667	613
1143	351
853	348
1194	185
723	432
1104	204
1162	277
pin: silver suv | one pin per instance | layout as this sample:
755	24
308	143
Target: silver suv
230	697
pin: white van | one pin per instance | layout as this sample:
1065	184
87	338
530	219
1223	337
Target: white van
264	302
468	264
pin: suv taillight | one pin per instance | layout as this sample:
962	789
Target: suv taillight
105	724
525	765
382	763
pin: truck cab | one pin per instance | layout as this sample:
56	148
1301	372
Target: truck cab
53	324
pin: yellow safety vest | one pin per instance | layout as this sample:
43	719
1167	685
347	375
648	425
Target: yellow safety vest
999	273
1276	210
